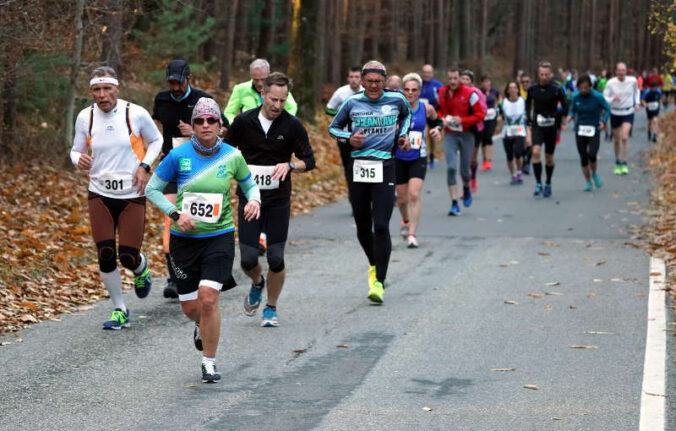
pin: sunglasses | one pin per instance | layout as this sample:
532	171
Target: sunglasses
411	90
211	121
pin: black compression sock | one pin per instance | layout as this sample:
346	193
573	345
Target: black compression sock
537	171
550	171
455	202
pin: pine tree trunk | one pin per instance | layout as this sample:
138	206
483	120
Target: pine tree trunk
228	53
113	36
72	83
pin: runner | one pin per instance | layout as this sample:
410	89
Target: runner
490	122
267	137
513	112
624	96
377	119
411	165
541	114
202	244
667	88
600	86
651	99
429	95
247	96
467	79
524	83
394	83
590	111
339	96
461	109
172	111
110	144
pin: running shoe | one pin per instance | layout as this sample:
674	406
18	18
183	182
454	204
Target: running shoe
196	337
624	168
253	300
473	185
490	165
372	275
467	200
376	292
455	210
525	169
548	191
404	230
143	282
587	186
170	290
209	372
412	242
538	189
598	182
269	318
433	164
617	170
486	166
118	320
513	181
519	178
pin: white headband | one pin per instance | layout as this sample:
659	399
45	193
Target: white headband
103	80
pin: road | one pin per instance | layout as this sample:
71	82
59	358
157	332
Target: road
444	326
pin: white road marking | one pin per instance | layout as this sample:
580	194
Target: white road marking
653	396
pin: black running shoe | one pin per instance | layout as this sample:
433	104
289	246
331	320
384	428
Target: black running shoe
170	291
209	373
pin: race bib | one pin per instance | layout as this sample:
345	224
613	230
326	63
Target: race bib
545	121
514	131
204	207
588	131
653	106
367	171
175	142
262	175
453	125
491	114
118	183
416	139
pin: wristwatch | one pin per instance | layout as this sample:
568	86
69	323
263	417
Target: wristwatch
175	215
145	166
292	165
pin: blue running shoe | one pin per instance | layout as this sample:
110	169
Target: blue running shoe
467	200
433	164
143	282
548	190
269	318
598	182
118	320
538	189
587	186
455	210
253	300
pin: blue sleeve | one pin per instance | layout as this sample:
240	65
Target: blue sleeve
341	120
167	167
572	110
606	106
644	94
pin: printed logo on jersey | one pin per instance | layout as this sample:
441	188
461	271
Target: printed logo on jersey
184	165
386	109
280	138
222	171
109	130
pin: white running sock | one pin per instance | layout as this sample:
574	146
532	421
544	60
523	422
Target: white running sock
113	283
208	359
142	265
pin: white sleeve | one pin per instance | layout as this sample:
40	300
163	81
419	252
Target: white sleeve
637	94
151	134
80	139
608	92
335	101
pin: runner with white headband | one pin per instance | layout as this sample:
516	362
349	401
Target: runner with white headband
116	142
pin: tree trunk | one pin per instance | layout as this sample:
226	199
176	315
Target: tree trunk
465	24
592	36
302	62
113	36
72	84
229	50
267	28
484	32
336	65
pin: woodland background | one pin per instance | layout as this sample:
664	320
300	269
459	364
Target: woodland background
49	47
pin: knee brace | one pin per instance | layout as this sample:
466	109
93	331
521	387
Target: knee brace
276	257
248	257
130	257
106	255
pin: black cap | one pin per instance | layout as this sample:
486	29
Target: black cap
178	70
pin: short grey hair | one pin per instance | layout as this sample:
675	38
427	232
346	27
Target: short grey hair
412	77
374	64
259	63
103	71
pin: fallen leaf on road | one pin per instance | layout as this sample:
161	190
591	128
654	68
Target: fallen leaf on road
548	307
557	419
550	244
601	262
535	295
575	346
4	343
395	260
597	333
514	262
299	351
654	274
543	253
28	318
531	387
631	244
502	369
85	307
427	409
553	283
616	280
19	340
342	346
554	293
190	386
511	302
502	265
591	294
598	280
573	307
640	295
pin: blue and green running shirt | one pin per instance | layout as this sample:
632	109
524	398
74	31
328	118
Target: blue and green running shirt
203	188
383	120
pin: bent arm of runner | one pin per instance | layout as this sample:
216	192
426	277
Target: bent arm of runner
478	113
303	150
80	141
339	122
154	193
606	109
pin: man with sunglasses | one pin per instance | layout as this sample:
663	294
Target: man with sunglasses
172	111
268	136
377	119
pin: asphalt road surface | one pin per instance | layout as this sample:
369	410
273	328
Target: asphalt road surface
424	360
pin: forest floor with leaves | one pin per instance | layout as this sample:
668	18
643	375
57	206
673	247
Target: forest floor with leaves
49	264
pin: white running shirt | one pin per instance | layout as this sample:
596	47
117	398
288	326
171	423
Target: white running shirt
341	95
627	90
115	160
